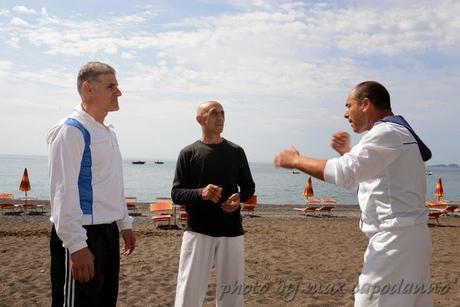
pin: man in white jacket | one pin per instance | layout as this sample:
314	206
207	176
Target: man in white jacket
88	207
387	169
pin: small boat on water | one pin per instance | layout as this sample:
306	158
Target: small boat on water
159	162
295	172
138	162
428	173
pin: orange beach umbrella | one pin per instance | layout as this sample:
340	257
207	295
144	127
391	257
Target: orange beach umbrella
308	188
25	183
438	190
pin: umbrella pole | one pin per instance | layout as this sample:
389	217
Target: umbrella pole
25	201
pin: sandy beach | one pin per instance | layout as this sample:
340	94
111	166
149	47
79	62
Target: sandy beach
290	260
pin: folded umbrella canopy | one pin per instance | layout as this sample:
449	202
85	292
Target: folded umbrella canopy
438	190
25	184
308	189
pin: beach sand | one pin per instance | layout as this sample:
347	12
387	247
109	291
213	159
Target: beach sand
290	260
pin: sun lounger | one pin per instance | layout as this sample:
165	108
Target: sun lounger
308	210
435	214
133	209
6	196
311	204
436	203
32	209
449	210
10	209
249	206
162	212
182	216
327	206
325	210
7	206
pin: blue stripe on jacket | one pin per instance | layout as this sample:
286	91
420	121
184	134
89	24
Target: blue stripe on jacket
85	189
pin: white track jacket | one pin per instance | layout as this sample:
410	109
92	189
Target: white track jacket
86	178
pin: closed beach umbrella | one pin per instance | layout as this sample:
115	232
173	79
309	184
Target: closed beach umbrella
308	189
25	183
438	190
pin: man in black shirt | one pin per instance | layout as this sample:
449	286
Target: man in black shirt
208	174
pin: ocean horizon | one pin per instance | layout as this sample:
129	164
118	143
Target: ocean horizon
150	180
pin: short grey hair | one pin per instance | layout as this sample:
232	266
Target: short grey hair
91	70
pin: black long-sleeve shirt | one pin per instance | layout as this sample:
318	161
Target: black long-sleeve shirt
225	165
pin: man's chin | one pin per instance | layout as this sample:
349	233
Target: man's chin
114	108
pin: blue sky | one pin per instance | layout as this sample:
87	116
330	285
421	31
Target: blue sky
282	69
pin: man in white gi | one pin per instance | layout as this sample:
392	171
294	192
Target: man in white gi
88	207
387	167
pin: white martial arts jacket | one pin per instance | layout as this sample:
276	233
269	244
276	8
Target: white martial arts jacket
86	178
387	170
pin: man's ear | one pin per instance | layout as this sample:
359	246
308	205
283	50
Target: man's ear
366	104
86	87
200	119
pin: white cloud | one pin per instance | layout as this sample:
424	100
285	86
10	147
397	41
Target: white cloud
24	10
111	49
13	42
293	60
254	4
129	19
287	29
16	21
127	56
398	31
5	66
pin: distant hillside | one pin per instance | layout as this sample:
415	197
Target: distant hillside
444	165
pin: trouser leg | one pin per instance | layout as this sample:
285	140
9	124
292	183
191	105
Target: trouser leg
396	269
57	270
111	268
230	271
102	289
196	258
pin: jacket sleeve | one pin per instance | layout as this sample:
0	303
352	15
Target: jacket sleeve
65	155
245	182
127	221
182	192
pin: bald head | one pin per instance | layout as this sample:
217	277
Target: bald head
204	108
211	117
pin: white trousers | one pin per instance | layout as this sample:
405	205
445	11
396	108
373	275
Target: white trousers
197	256
396	269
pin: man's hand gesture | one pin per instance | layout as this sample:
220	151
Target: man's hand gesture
232	203
212	192
341	142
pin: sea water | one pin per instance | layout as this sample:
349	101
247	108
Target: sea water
150	180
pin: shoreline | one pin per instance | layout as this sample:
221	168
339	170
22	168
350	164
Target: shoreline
261	210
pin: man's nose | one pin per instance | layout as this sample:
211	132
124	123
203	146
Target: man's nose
346	114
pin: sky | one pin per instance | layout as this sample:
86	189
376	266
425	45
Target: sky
281	69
